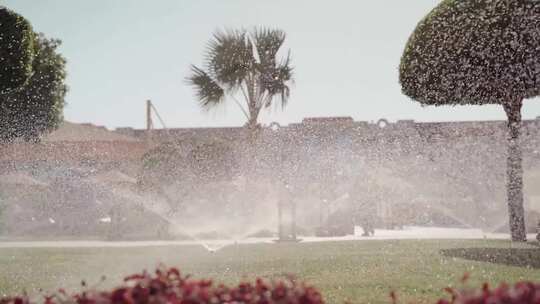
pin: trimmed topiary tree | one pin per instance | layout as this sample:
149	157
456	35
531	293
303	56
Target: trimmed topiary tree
475	53
37	106
16	50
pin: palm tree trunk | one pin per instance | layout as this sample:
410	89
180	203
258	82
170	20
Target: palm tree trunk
514	173
252	103
252	122
252	135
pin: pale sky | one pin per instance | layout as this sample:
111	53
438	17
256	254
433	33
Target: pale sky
345	53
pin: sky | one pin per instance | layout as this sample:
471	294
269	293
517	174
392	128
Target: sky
345	54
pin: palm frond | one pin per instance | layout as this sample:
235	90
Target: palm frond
208	91
283	92
267	44
230	57
276	81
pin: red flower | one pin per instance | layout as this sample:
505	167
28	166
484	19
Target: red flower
168	286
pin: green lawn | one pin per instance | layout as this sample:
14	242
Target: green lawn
358	271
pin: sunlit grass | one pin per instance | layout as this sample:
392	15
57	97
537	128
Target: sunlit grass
358	271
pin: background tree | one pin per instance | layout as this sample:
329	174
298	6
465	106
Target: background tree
189	161
246	62
37	106
187	167
16	50
198	180
479	52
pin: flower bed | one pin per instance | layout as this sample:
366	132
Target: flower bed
170	286
520	293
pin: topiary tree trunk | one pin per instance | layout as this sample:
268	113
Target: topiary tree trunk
514	172
293	221
280	220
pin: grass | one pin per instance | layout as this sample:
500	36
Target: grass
357	271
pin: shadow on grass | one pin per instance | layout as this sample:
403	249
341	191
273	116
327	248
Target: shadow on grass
521	257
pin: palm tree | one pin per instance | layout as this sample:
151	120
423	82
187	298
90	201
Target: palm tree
244	63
